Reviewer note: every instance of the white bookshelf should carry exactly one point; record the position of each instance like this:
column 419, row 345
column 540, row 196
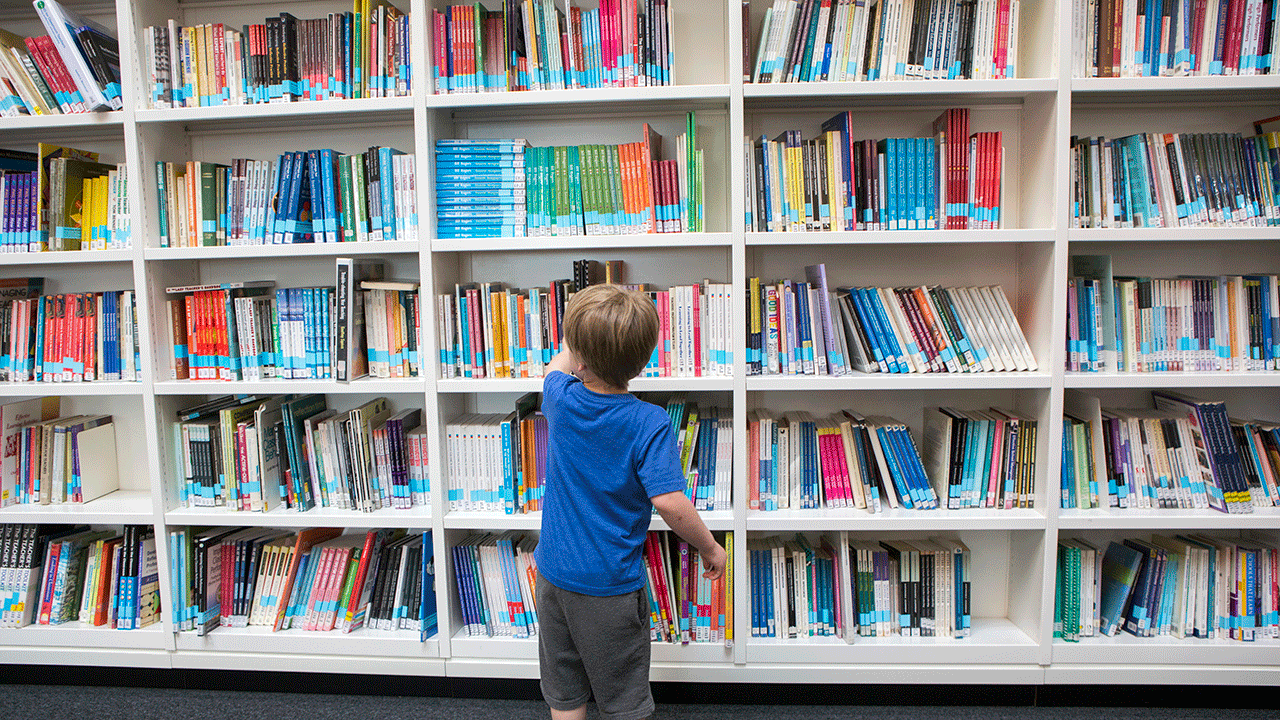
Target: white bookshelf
column 1014, row 550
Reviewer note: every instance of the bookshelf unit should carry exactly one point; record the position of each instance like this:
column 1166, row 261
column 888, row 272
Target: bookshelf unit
column 1014, row 550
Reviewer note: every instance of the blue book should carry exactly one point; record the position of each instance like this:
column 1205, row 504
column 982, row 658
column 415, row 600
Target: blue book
column 888, row 338
column 905, row 496
column 1120, row 567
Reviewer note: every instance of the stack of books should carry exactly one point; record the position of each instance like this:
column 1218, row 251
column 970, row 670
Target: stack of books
column 61, row 198
column 849, row 40
column 75, row 337
column 951, row 181
column 360, row 54
column 803, row 328
column 256, row 454
column 308, row 196
column 1183, row 454
column 1228, row 323
column 58, row 460
column 1134, row 38
column 847, row 588
column 496, row 576
column 1184, row 586
column 541, row 45
column 313, row 580
column 59, row 574
column 1176, row 180
column 685, row 607
column 481, row 188
column 74, row 69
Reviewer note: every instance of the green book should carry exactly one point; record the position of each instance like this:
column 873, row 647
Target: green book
column 208, row 211
column 66, row 199
column 348, row 583
column 359, row 192
column 482, row 77
column 560, row 175
column 613, row 174
column 575, row 189
column 347, row 198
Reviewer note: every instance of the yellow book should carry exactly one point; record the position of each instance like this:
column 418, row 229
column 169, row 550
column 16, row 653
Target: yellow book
column 86, row 212
column 727, row 623
column 100, row 209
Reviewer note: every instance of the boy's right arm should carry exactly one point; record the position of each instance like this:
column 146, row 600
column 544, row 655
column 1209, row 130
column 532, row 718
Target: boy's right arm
column 680, row 515
column 563, row 361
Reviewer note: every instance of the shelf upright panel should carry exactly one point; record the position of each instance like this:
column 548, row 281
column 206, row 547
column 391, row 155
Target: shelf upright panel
column 737, row 283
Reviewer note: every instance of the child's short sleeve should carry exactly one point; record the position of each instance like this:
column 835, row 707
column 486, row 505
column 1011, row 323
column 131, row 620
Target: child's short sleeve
column 659, row 470
column 553, row 389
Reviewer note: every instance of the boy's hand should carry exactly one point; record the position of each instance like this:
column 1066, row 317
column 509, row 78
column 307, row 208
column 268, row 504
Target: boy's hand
column 715, row 563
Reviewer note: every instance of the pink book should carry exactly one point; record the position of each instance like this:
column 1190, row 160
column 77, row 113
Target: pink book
column 997, row 464
column 697, row 331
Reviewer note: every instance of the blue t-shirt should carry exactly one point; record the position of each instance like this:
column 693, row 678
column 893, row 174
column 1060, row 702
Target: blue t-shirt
column 606, row 456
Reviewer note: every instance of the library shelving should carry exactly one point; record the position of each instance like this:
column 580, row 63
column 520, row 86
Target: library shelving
column 1037, row 112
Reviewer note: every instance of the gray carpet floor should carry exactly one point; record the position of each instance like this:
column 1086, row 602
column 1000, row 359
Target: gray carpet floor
column 110, row 703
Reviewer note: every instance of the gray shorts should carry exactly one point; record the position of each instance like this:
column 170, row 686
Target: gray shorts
column 599, row 646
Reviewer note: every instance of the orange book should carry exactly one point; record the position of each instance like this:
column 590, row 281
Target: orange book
column 101, row 611
column 650, row 142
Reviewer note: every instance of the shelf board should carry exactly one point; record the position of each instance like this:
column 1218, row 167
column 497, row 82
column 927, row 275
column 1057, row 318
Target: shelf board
column 1127, row 90
column 282, row 251
column 1180, row 234
column 275, row 387
column 77, row 122
column 1123, row 648
column 716, row 520
column 993, row 641
column 259, row 639
column 521, row 385
column 325, row 112
column 558, row 99
column 122, row 507
column 894, row 519
column 78, row 635
column 71, row 389
column 1142, row 381
column 1155, row 519
column 898, row 381
column 69, row 257
column 918, row 91
column 901, row 237
column 462, row 645
column 416, row 517
column 585, row 242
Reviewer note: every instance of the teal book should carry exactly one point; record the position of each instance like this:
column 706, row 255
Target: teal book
column 1120, row 566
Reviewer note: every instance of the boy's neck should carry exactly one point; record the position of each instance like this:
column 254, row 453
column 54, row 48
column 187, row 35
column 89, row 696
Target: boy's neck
column 596, row 385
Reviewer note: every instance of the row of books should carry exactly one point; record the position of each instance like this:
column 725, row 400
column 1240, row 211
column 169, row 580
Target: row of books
column 503, row 188
column 983, row 458
column 1184, row 453
column 257, row 454
column 802, row 328
column 312, row 196
column 254, row 334
column 360, row 54
column 61, row 198
column 497, row 462
column 1229, row 323
column 58, row 574
column 1176, row 180
column 496, row 577
column 543, row 45
column 1184, row 586
column 684, row 606
column 951, row 181
column 1140, row 38
column 491, row 330
column 850, row 40
column 81, row 337
column 56, row 459
column 310, row 580
column 73, row 69
column 87, row 209
column 1151, row 463
column 704, row 442
column 848, row 588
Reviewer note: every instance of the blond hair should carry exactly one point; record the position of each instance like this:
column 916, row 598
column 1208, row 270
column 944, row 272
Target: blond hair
column 612, row 330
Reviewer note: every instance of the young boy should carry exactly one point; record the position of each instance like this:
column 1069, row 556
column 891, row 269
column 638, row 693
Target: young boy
column 610, row 458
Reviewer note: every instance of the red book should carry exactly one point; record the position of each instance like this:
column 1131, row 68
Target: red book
column 478, row 349
column 1001, row 54
column 50, row 579
column 1235, row 34
column 371, row 544
column 579, row 58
